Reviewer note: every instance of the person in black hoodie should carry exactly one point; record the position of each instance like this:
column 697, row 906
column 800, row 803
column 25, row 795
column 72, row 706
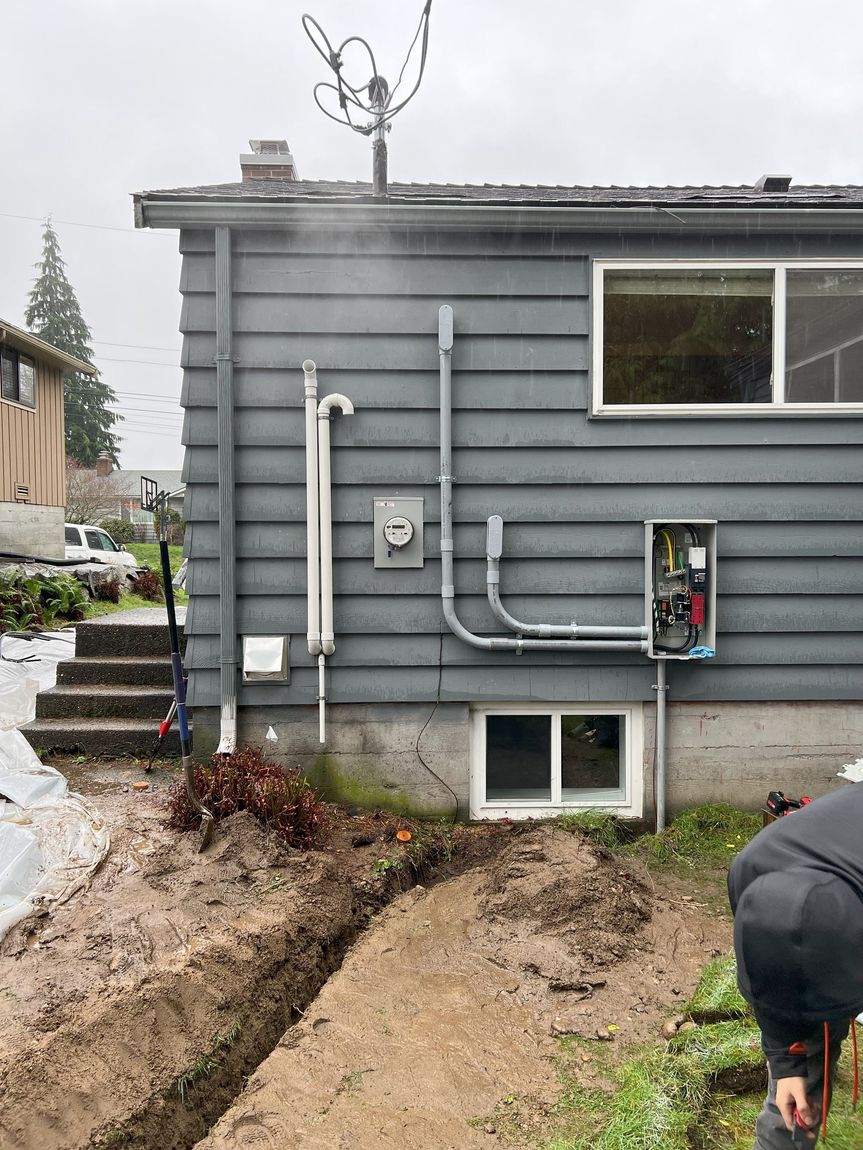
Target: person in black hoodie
column 797, row 895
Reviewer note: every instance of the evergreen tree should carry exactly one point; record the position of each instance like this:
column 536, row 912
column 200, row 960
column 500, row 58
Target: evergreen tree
column 54, row 315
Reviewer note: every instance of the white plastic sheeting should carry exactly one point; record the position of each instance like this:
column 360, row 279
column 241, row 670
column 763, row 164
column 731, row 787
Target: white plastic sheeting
column 51, row 842
column 28, row 666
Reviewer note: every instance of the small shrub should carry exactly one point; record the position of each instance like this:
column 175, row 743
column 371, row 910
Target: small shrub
column 279, row 798
column 119, row 529
column 148, row 585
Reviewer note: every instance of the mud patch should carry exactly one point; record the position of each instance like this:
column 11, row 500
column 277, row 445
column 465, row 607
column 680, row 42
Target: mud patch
column 445, row 1013
column 130, row 1015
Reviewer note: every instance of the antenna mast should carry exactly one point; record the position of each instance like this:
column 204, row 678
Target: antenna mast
column 374, row 97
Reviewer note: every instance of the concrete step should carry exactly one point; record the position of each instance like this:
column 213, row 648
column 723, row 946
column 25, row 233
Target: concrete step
column 110, row 738
column 143, row 631
column 148, row 704
column 141, row 671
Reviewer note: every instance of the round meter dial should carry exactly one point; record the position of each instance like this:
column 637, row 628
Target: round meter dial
column 398, row 531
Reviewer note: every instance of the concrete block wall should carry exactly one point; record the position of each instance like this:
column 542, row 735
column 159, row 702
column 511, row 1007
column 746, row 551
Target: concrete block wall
column 29, row 529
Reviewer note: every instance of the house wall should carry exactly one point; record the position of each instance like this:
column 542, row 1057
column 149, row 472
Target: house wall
column 573, row 491
column 32, row 454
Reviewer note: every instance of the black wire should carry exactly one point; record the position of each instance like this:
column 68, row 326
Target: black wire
column 333, row 59
column 426, row 723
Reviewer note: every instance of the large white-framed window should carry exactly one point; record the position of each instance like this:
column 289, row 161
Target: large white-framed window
column 532, row 760
column 727, row 337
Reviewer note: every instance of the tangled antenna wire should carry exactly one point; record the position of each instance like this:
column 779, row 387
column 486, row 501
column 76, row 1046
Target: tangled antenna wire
column 374, row 97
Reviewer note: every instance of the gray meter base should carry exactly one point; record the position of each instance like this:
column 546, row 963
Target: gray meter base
column 387, row 507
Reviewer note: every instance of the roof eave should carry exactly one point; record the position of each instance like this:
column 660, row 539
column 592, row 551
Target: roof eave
column 158, row 211
column 42, row 350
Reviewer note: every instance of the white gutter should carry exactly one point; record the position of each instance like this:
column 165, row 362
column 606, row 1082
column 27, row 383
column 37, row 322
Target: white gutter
column 313, row 635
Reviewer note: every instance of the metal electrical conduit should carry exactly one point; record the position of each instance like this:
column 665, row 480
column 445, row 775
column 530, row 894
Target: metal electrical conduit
column 494, row 550
column 445, row 344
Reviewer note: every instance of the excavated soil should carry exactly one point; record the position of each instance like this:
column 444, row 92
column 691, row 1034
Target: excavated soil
column 134, row 1015
column 109, row 1004
column 445, row 1011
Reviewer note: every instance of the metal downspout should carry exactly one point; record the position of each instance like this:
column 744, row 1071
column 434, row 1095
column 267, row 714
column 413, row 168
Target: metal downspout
column 661, row 690
column 227, row 566
column 445, row 345
column 494, row 550
column 313, row 567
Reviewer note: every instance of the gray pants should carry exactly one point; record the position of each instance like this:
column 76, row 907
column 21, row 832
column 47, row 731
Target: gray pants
column 771, row 1132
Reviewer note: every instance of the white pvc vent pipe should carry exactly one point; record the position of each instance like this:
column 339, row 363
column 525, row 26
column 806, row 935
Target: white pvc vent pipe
column 319, row 529
column 313, row 635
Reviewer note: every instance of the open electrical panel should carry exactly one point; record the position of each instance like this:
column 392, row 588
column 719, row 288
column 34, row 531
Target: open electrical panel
column 680, row 586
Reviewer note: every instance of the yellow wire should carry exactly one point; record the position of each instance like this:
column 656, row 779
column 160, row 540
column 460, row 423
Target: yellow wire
column 668, row 544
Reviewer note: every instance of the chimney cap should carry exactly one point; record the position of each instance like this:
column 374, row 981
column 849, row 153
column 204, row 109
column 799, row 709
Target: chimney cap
column 270, row 147
column 773, row 184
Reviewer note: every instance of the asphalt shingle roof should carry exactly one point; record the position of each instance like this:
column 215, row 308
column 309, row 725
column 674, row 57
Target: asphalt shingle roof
column 330, row 191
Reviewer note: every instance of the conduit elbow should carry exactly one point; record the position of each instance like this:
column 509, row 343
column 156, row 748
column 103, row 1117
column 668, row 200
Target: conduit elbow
column 325, row 407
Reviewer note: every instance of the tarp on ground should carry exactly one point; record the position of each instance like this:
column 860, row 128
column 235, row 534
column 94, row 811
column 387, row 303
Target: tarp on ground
column 51, row 840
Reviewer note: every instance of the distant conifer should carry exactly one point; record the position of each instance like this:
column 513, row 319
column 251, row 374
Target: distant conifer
column 54, row 315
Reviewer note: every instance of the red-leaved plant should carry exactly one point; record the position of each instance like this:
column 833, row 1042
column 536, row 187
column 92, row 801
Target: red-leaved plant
column 278, row 797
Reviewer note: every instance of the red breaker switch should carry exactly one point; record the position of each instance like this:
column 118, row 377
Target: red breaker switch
column 696, row 609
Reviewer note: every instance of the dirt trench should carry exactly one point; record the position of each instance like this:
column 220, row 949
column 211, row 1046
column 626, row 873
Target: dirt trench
column 133, row 1016
column 444, row 1014
column 130, row 1016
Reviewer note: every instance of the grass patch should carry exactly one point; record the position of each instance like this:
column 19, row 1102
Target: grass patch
column 147, row 555
column 716, row 995
column 722, row 1046
column 709, row 835
column 98, row 607
column 601, row 827
column 657, row 1103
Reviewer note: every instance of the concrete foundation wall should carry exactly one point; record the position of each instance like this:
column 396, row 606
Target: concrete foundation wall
column 32, row 530
column 375, row 755
column 722, row 752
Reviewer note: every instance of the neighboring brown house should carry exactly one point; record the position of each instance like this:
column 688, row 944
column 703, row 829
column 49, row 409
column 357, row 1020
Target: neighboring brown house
column 32, row 454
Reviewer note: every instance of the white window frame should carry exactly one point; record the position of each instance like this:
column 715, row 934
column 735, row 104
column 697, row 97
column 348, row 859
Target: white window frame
column 778, row 406
column 630, row 806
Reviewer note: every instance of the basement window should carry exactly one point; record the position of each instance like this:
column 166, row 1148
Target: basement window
column 760, row 337
column 532, row 762
column 17, row 377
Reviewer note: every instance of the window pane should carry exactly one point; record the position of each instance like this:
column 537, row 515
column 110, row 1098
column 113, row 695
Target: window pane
column 94, row 541
column 107, row 542
column 26, row 381
column 9, row 374
column 824, row 337
column 592, row 754
column 72, row 537
column 688, row 336
column 518, row 757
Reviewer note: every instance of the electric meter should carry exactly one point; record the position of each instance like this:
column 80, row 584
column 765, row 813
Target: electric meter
column 398, row 531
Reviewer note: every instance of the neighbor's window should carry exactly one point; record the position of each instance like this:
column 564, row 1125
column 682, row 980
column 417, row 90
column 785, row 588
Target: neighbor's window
column 529, row 762
column 17, row 376
column 758, row 336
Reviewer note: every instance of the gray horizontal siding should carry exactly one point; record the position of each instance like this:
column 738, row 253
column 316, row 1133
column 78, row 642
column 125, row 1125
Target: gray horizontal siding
column 530, row 503
column 797, row 540
column 573, row 491
column 417, row 427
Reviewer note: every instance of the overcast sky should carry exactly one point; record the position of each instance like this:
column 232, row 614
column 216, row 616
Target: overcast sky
column 102, row 98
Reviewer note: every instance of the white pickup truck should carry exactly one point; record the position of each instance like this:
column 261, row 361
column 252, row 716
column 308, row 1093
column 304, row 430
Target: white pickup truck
column 83, row 541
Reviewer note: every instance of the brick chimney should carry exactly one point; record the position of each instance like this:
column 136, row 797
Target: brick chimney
column 104, row 466
column 269, row 160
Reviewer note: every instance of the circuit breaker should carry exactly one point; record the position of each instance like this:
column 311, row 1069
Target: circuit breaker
column 680, row 586
column 398, row 528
